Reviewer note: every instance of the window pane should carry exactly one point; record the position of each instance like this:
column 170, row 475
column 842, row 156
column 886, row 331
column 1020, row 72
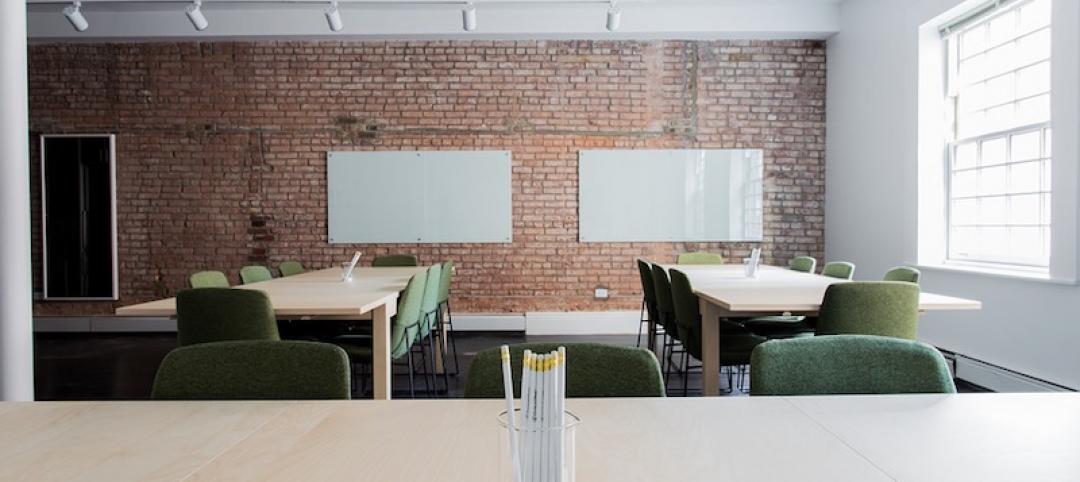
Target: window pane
column 973, row 41
column 1026, row 242
column 993, row 210
column 1025, row 146
column 966, row 211
column 1025, row 177
column 993, row 180
column 1034, row 15
column 1003, row 28
column 965, row 156
column 993, row 152
column 963, row 241
column 1047, row 144
column 994, row 241
column 963, row 183
column 1033, row 80
column 1033, row 110
column 1032, row 48
column 1025, row 209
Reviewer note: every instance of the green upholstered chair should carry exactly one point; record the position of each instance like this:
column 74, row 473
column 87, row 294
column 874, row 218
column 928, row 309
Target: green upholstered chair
column 290, row 268
column 209, row 279
column 882, row 308
column 838, row 269
column 903, row 273
column 592, row 370
column 665, row 317
column 429, row 319
column 736, row 342
column 804, row 264
column 404, row 331
column 649, row 314
column 220, row 314
column 446, row 319
column 699, row 258
column 254, row 370
column 391, row 260
column 848, row 364
column 255, row 274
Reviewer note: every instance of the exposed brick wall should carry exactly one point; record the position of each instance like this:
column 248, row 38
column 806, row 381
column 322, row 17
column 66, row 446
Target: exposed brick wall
column 221, row 147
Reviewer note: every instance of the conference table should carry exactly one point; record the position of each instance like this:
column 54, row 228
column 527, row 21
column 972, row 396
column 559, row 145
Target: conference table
column 724, row 291
column 372, row 293
column 983, row 437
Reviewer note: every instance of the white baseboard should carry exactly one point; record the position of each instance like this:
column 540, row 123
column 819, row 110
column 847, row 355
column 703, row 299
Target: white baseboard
column 999, row 379
column 494, row 322
column 582, row 323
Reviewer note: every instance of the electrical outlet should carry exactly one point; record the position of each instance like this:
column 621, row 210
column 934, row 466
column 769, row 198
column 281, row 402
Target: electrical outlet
column 601, row 293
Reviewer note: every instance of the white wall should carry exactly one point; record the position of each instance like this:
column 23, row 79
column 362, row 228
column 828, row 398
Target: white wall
column 872, row 192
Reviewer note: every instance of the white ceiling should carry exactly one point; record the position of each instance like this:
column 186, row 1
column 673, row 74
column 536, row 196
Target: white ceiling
column 439, row 19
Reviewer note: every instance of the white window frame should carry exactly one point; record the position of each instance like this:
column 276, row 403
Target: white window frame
column 951, row 55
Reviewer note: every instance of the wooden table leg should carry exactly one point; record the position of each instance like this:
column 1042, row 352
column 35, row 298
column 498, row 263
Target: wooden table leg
column 380, row 343
column 710, row 349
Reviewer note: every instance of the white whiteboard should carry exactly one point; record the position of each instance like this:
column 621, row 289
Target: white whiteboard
column 670, row 195
column 419, row 197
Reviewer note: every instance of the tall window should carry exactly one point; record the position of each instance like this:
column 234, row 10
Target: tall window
column 999, row 149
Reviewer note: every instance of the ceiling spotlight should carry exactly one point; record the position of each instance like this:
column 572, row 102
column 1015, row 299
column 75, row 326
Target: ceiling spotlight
column 76, row 17
column 468, row 17
column 194, row 13
column 333, row 17
column 614, row 16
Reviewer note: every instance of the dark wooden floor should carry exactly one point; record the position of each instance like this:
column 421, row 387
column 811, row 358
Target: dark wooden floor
column 121, row 366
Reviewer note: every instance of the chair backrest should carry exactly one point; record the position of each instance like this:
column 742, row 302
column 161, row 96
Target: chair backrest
column 444, row 281
column 687, row 312
column 406, row 323
column 838, row 269
column 254, row 370
column 290, row 268
column 220, row 314
column 648, row 289
column 883, row 308
column 592, row 370
column 389, row 260
column 209, row 279
column 429, row 303
column 847, row 364
column 255, row 274
column 902, row 273
column 665, row 308
column 804, row 264
column 699, row 258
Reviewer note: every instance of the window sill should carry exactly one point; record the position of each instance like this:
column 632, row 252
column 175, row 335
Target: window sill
column 1038, row 277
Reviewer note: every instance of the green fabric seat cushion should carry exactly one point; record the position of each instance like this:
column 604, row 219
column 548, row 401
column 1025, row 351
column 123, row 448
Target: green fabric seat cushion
column 254, row 370
column 255, row 274
column 291, row 268
column 699, row 258
column 804, row 264
column 592, row 370
column 429, row 303
column 883, row 308
column 220, row 314
column 902, row 273
column 208, row 279
column 838, row 269
column 848, row 364
column 445, row 278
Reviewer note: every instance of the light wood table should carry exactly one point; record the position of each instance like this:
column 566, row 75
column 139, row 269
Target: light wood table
column 724, row 291
column 984, row 437
column 372, row 292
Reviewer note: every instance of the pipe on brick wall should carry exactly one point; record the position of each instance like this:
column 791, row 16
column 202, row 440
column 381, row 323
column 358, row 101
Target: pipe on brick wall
column 16, row 313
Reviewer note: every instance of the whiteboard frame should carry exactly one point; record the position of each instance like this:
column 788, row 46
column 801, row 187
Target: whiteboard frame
column 494, row 222
column 587, row 235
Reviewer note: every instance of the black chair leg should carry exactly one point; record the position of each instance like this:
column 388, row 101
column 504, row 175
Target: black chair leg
column 640, row 322
column 686, row 377
column 412, row 383
column 450, row 335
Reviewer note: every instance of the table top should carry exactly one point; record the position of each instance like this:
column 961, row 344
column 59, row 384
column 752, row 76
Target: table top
column 778, row 290
column 314, row 293
column 834, row 438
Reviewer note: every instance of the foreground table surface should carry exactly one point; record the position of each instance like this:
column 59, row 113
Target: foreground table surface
column 865, row 438
column 371, row 293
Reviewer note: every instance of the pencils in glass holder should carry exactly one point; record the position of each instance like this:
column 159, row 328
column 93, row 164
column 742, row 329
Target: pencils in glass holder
column 508, row 389
column 539, row 453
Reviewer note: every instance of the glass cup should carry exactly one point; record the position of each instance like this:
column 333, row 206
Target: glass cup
column 567, row 432
column 345, row 269
column 751, row 271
